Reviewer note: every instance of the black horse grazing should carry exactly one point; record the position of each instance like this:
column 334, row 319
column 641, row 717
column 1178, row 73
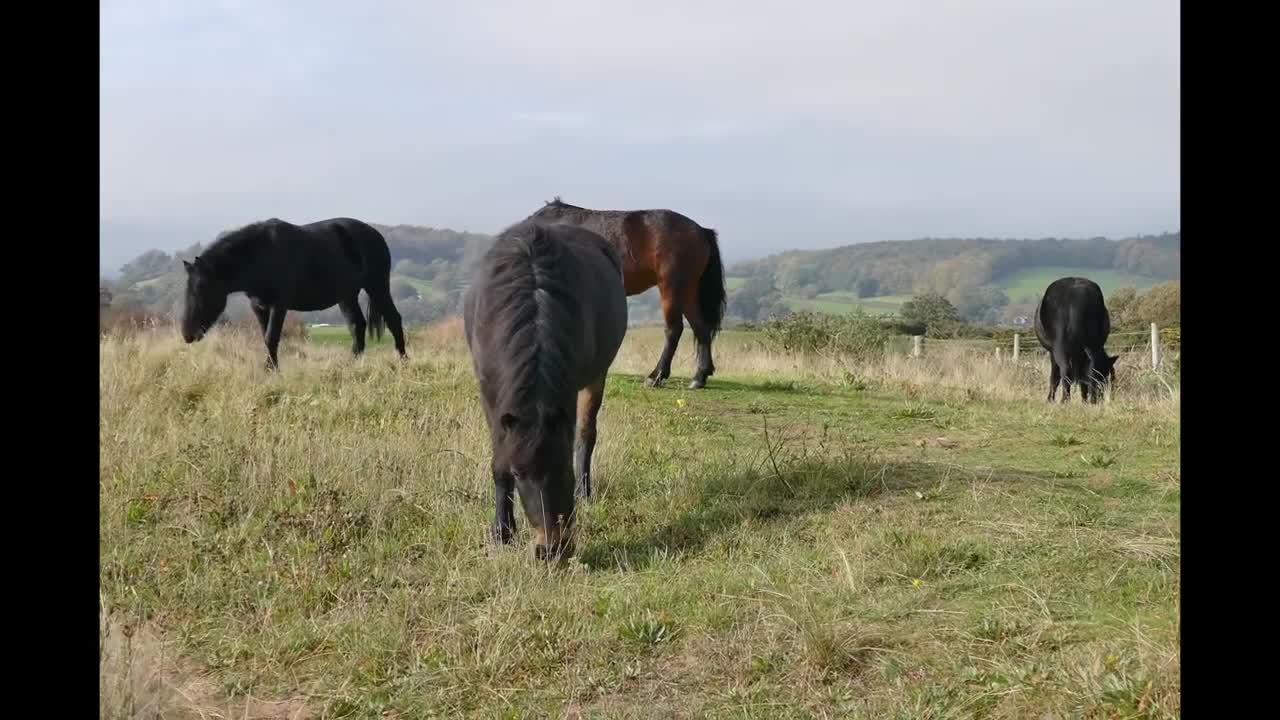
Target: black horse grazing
column 667, row 249
column 1072, row 323
column 281, row 267
column 544, row 317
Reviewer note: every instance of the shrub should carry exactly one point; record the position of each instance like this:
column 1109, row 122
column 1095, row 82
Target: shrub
column 855, row 334
column 956, row 330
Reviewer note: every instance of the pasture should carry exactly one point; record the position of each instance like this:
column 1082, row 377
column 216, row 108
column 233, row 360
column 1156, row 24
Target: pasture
column 802, row 538
column 1027, row 283
column 1020, row 286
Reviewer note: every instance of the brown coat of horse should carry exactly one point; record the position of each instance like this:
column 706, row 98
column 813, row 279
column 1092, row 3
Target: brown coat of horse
column 671, row 251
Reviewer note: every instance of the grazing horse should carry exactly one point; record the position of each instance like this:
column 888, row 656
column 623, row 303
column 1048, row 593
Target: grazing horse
column 281, row 267
column 1072, row 323
column 544, row 318
column 667, row 249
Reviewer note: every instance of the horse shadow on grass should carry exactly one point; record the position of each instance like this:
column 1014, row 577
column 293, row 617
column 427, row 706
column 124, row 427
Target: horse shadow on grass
column 787, row 387
column 770, row 493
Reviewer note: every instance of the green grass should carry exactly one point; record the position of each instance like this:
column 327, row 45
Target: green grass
column 1020, row 285
column 331, row 335
column 804, row 538
column 1028, row 282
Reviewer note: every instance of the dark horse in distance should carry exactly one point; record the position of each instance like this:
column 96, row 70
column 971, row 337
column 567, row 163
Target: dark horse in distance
column 667, row 249
column 544, row 318
column 281, row 267
column 1072, row 323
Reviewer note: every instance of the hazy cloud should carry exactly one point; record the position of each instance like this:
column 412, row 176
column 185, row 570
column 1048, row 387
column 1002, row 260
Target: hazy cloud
column 783, row 124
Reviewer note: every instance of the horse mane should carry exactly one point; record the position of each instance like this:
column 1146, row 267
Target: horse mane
column 557, row 202
column 234, row 247
column 528, row 288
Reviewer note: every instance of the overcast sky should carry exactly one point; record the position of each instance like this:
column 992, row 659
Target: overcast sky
column 782, row 124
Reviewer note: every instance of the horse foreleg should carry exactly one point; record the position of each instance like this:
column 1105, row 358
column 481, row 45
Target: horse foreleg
column 1055, row 376
column 706, row 368
column 675, row 327
column 504, row 516
column 275, row 325
column 263, row 313
column 589, row 400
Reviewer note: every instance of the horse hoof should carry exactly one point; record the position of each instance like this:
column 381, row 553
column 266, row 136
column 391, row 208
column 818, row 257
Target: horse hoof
column 653, row 383
column 697, row 384
column 501, row 535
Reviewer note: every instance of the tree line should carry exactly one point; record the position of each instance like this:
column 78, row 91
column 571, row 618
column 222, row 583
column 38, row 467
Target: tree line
column 961, row 270
column 432, row 267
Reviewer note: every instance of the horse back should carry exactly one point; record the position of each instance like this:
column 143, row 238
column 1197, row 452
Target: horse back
column 357, row 241
column 601, row 299
column 1072, row 316
column 581, row 278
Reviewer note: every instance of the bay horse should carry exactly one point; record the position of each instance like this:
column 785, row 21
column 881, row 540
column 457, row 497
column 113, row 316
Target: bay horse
column 544, row 318
column 667, row 249
column 280, row 267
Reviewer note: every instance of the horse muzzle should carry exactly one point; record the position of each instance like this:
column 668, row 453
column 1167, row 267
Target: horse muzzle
column 553, row 543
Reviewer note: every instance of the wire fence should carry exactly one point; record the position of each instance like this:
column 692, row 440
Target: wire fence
column 1157, row 345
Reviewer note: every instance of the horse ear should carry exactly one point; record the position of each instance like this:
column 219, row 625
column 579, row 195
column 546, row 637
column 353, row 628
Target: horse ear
column 189, row 267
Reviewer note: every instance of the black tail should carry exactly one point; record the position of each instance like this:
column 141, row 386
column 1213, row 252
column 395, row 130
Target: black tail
column 376, row 322
column 711, row 294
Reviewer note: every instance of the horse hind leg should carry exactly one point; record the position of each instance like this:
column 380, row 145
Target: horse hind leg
column 381, row 297
column 355, row 323
column 675, row 328
column 1055, row 376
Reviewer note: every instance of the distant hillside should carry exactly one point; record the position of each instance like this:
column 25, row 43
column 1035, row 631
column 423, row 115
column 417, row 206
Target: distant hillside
column 988, row 280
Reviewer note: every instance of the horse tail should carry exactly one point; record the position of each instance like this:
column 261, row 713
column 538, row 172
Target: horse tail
column 711, row 294
column 376, row 321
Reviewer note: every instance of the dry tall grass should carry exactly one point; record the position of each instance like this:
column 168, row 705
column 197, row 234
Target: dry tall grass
column 306, row 542
column 969, row 369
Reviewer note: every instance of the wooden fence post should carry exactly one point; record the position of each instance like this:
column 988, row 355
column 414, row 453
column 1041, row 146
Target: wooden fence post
column 1016, row 346
column 998, row 353
column 1155, row 347
column 916, row 341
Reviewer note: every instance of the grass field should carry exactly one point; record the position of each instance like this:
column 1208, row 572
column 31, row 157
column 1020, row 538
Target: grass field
column 804, row 538
column 1020, row 285
column 1029, row 282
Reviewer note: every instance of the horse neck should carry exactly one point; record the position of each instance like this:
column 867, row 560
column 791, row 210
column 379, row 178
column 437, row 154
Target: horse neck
column 233, row 273
column 580, row 216
column 236, row 269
